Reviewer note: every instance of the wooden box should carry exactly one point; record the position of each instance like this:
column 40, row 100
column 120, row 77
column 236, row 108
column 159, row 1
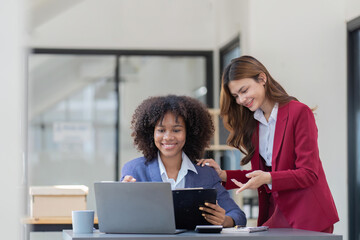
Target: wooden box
column 57, row 201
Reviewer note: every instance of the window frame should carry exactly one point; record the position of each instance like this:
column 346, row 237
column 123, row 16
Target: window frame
column 353, row 105
column 208, row 55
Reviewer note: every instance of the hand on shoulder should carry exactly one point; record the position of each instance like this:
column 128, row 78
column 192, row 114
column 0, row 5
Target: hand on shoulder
column 211, row 163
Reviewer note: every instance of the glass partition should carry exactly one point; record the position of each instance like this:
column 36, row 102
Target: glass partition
column 72, row 114
column 144, row 76
column 80, row 104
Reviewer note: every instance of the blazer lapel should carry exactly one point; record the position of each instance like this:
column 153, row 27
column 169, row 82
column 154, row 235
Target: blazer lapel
column 189, row 179
column 280, row 127
column 154, row 171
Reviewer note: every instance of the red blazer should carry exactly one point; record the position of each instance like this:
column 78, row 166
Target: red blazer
column 299, row 185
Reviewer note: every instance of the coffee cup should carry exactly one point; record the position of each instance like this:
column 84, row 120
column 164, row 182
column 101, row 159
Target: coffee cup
column 83, row 221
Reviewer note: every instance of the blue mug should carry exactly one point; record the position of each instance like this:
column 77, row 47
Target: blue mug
column 83, row 221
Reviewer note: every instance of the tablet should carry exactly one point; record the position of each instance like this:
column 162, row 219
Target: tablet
column 186, row 206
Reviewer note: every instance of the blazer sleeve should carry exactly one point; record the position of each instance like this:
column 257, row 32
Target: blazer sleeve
column 227, row 203
column 307, row 162
column 132, row 168
column 239, row 175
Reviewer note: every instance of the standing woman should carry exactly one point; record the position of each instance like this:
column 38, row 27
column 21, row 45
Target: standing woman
column 278, row 135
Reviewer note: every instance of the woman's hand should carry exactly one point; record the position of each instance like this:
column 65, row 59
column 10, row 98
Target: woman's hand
column 129, row 178
column 215, row 215
column 257, row 178
column 211, row 163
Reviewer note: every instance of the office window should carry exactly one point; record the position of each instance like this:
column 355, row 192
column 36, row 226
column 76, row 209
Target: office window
column 72, row 112
column 230, row 158
column 144, row 76
column 80, row 104
column 228, row 52
column 354, row 127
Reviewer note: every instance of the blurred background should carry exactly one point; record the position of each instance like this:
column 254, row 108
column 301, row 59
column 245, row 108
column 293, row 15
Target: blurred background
column 74, row 71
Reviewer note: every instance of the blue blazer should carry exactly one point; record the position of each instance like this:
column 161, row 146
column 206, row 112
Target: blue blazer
column 206, row 178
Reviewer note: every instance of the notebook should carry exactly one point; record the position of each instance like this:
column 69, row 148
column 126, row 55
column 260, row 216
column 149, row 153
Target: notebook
column 139, row 207
column 187, row 203
column 245, row 229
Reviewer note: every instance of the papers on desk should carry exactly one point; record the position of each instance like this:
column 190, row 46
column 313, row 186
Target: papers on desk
column 245, row 229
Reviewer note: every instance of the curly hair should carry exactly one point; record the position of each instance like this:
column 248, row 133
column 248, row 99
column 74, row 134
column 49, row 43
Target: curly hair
column 198, row 123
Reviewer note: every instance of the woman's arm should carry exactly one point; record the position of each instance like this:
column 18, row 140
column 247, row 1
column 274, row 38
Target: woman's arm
column 238, row 175
column 128, row 178
column 225, row 175
column 232, row 210
column 211, row 163
column 217, row 215
column 132, row 171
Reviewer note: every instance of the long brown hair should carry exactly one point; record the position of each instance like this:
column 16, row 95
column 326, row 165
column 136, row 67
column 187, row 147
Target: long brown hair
column 238, row 119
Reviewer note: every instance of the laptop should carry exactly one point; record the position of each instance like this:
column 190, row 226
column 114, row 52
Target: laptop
column 138, row 207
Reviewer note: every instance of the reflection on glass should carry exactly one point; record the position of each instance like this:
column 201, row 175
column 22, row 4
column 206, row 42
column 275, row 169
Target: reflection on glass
column 233, row 53
column 72, row 115
column 73, row 111
column 230, row 158
column 144, row 76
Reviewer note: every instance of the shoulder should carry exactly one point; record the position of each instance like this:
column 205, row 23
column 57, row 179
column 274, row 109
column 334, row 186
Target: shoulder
column 137, row 162
column 137, row 168
column 300, row 114
column 297, row 106
column 206, row 172
column 298, row 109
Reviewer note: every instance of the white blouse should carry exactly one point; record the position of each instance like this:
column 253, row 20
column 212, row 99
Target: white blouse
column 266, row 134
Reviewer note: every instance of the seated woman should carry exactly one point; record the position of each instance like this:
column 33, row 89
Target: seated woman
column 172, row 132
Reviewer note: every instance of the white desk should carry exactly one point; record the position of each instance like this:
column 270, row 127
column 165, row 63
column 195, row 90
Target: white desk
column 272, row 234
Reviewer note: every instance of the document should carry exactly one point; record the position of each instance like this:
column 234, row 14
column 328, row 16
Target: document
column 245, row 229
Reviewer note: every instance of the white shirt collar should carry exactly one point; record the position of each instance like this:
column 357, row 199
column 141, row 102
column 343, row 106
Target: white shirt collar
column 186, row 165
column 259, row 115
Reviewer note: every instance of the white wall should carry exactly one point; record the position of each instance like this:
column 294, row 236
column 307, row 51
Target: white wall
column 135, row 24
column 229, row 19
column 352, row 9
column 303, row 45
column 11, row 138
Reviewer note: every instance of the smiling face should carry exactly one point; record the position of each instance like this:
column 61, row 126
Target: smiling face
column 170, row 136
column 249, row 93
